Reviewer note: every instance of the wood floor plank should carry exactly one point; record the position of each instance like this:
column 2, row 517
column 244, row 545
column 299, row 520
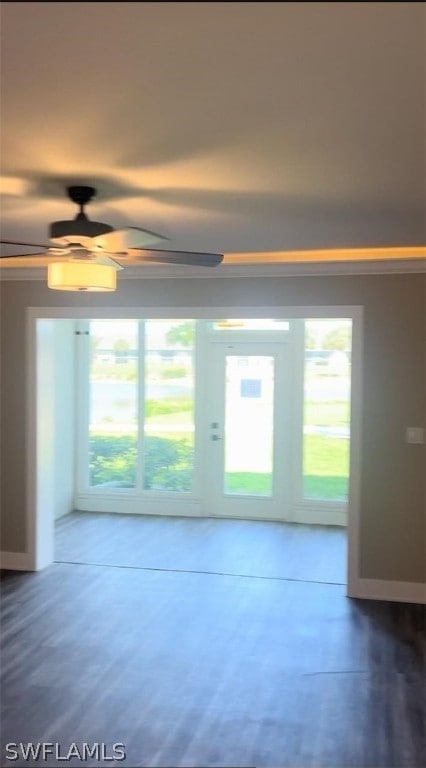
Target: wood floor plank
column 269, row 549
column 197, row 669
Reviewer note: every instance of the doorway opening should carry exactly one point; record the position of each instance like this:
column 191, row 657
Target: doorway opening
column 249, row 420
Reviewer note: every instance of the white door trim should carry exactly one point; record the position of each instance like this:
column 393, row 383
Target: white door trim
column 354, row 495
column 40, row 527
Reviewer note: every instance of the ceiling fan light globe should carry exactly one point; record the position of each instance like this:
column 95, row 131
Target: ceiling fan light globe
column 81, row 276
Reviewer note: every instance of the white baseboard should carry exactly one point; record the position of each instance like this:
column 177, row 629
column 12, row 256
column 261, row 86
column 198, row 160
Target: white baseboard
column 119, row 503
column 16, row 561
column 397, row 591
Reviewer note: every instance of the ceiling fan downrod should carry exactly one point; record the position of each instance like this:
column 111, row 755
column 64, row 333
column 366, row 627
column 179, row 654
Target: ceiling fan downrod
column 75, row 230
column 81, row 196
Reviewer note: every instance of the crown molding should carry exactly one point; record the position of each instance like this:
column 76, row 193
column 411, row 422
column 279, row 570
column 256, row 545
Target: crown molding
column 144, row 271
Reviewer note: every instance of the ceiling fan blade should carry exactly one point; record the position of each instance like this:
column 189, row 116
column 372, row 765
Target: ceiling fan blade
column 23, row 255
column 106, row 261
column 122, row 239
column 46, row 252
column 187, row 258
column 27, row 245
column 31, row 260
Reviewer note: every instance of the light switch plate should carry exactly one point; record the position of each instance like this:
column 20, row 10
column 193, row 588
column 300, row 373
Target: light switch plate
column 415, row 435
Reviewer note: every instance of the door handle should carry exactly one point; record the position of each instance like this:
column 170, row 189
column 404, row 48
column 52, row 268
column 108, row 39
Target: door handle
column 215, row 437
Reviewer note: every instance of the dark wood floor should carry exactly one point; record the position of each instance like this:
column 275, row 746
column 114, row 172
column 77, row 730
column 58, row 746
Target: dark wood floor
column 200, row 669
column 238, row 547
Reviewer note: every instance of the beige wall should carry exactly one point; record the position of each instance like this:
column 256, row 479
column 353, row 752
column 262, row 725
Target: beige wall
column 392, row 544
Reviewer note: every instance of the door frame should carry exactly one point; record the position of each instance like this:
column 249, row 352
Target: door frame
column 39, row 514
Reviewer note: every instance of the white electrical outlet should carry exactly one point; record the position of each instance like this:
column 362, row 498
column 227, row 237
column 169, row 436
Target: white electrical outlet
column 415, row 435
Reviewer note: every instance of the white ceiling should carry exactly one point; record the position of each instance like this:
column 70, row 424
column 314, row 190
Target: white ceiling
column 225, row 126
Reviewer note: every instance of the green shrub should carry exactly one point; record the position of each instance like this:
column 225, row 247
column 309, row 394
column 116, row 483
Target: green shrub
column 167, row 462
column 112, row 460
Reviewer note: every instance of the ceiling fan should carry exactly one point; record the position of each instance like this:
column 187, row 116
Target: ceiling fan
column 95, row 250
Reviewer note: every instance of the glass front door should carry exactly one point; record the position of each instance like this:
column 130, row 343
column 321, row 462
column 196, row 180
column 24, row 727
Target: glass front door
column 246, row 429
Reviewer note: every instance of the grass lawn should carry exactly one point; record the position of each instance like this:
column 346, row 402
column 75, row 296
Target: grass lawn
column 314, row 487
column 325, row 456
column 257, row 483
column 326, row 470
column 325, row 459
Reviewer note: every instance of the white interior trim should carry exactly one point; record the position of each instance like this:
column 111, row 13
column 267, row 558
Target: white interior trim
column 129, row 505
column 354, row 494
column 31, row 438
column 305, row 269
column 197, row 313
column 379, row 589
column 331, row 514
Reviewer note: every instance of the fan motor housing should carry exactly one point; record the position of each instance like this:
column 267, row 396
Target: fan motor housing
column 76, row 230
